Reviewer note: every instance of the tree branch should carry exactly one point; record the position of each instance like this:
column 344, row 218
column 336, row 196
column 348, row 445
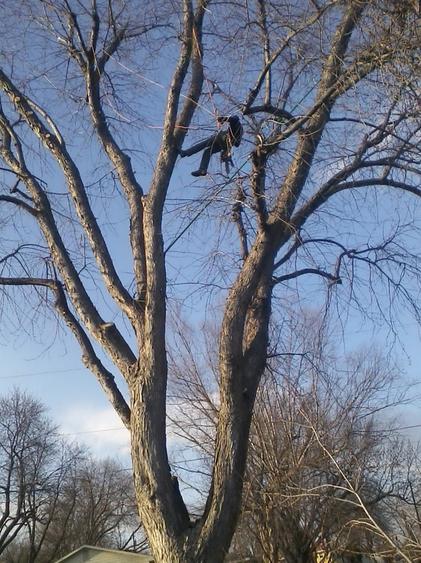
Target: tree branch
column 269, row 62
column 298, row 220
column 266, row 50
column 78, row 192
column 304, row 271
column 112, row 340
column 89, row 358
column 19, row 203
column 92, row 73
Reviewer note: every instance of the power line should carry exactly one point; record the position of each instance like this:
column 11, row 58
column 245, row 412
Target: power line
column 115, row 428
column 34, row 374
column 99, row 430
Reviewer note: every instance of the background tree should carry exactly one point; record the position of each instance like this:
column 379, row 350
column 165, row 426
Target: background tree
column 55, row 496
column 30, row 463
column 403, row 508
column 96, row 507
column 323, row 464
column 333, row 118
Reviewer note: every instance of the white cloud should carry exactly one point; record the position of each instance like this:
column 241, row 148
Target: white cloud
column 99, row 428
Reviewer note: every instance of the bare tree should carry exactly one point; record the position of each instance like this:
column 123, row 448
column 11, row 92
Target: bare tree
column 54, row 496
column 96, row 506
column 28, row 463
column 403, row 508
column 323, row 461
column 333, row 116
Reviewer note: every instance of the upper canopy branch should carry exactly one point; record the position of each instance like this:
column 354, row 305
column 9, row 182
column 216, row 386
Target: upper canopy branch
column 272, row 110
column 333, row 278
column 19, row 203
column 92, row 65
column 318, row 117
column 271, row 58
column 261, row 4
column 77, row 190
column 176, row 121
column 191, row 100
column 370, row 155
column 112, row 340
column 301, row 216
column 123, row 167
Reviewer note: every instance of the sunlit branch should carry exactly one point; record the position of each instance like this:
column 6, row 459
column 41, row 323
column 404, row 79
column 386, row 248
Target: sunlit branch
column 89, row 358
column 321, row 197
column 275, row 56
column 77, row 190
column 112, row 340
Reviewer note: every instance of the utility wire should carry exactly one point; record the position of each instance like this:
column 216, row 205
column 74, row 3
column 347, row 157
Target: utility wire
column 34, row 374
column 91, row 431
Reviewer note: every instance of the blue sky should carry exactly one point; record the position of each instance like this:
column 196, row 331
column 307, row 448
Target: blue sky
column 49, row 365
column 52, row 372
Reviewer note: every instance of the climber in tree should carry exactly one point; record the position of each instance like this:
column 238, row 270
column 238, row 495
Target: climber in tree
column 222, row 142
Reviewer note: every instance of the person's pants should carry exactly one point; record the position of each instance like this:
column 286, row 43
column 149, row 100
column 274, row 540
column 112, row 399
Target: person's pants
column 212, row 145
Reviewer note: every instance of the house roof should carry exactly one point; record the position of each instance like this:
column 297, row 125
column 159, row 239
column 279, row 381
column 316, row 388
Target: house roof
column 91, row 554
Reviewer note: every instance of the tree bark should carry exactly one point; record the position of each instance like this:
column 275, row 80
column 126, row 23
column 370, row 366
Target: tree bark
column 278, row 217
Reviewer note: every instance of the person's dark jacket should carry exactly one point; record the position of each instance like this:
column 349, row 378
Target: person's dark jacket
column 235, row 129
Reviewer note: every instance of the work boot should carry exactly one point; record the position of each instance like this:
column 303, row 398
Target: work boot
column 198, row 173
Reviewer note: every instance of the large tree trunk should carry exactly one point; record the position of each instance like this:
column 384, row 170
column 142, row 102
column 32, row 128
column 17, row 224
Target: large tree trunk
column 242, row 359
column 280, row 217
column 172, row 537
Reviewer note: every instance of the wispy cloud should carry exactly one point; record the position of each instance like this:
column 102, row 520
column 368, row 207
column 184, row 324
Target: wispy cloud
column 99, row 428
